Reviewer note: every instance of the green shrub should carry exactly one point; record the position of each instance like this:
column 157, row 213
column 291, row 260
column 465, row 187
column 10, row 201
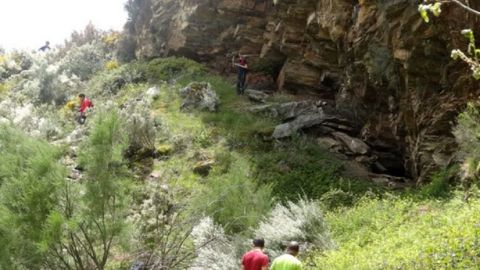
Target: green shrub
column 30, row 185
column 108, row 82
column 401, row 233
column 166, row 69
column 441, row 184
column 84, row 61
column 7, row 235
column 90, row 221
column 233, row 199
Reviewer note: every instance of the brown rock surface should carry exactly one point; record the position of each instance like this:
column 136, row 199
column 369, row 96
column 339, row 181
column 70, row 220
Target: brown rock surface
column 380, row 64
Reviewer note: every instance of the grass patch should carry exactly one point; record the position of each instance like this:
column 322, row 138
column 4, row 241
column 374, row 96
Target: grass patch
column 302, row 168
column 403, row 233
column 294, row 168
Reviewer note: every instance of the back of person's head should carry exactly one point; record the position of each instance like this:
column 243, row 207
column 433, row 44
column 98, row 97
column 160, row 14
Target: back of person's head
column 259, row 242
column 293, row 248
column 81, row 96
column 47, row 42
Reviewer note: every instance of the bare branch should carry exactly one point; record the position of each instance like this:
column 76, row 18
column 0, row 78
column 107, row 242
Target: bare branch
column 464, row 6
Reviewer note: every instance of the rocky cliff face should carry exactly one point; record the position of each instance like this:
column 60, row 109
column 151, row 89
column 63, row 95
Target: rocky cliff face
column 377, row 62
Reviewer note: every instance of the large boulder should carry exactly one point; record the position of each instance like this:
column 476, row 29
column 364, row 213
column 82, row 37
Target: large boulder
column 293, row 109
column 203, row 167
column 199, row 95
column 356, row 146
column 301, row 122
column 289, row 110
column 256, row 96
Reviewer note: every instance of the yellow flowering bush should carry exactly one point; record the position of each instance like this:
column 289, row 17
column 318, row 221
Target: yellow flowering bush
column 112, row 38
column 111, row 65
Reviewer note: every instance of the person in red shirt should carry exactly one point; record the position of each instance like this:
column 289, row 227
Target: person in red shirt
column 242, row 70
column 85, row 104
column 255, row 259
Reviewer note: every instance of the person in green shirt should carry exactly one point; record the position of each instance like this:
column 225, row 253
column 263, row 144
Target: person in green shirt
column 288, row 261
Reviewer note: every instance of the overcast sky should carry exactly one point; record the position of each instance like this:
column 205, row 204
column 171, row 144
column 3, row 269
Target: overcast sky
column 27, row 24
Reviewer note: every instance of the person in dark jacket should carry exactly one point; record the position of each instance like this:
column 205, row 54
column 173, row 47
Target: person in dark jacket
column 45, row 47
column 242, row 70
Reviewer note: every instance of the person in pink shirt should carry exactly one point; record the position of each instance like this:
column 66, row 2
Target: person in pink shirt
column 255, row 259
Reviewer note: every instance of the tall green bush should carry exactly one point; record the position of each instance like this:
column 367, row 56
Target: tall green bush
column 233, row 199
column 90, row 220
column 31, row 177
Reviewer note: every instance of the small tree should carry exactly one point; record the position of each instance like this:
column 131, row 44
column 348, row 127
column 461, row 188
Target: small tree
column 30, row 180
column 90, row 221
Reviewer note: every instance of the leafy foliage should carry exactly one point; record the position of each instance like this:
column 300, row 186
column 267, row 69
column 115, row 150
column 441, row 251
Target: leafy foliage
column 472, row 57
column 424, row 9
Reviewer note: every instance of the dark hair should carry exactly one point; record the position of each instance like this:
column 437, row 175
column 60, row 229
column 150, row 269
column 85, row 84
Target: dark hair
column 258, row 243
column 81, row 95
column 293, row 247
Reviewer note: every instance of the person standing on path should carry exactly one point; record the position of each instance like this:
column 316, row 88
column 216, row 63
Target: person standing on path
column 255, row 259
column 288, row 261
column 242, row 70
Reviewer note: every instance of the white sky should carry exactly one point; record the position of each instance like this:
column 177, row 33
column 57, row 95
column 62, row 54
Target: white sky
column 27, row 24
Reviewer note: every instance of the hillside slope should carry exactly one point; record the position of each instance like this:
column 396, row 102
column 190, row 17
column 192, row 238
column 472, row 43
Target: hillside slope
column 381, row 66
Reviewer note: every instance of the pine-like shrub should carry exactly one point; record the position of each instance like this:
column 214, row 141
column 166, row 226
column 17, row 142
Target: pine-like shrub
column 90, row 220
column 233, row 199
column 30, row 185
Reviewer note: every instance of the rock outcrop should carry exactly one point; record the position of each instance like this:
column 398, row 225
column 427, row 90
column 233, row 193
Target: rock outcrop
column 381, row 66
column 199, row 95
